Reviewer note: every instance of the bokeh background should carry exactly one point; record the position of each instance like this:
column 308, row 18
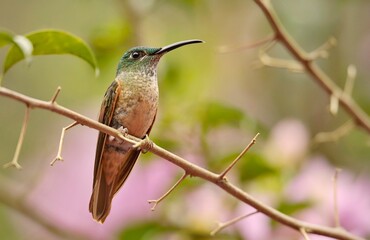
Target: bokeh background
column 211, row 105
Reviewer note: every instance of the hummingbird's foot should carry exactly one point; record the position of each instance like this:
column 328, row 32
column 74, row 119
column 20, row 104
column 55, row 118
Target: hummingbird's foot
column 123, row 131
column 144, row 145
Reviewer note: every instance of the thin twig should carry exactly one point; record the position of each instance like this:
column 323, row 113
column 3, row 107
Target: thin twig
column 348, row 87
column 156, row 202
column 14, row 162
column 352, row 108
column 252, row 142
column 350, row 81
column 304, row 233
column 54, row 98
column 266, row 60
column 81, row 119
column 221, row 226
column 188, row 167
column 290, row 65
column 334, row 104
column 334, row 135
column 59, row 154
column 335, row 197
column 322, row 51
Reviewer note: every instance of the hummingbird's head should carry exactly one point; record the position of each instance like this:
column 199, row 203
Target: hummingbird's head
column 142, row 59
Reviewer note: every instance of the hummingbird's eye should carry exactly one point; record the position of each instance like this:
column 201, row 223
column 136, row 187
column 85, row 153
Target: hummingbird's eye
column 135, row 55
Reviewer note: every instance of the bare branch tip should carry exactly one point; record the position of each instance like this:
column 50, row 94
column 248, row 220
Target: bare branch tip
column 322, row 51
column 12, row 164
column 155, row 203
column 290, row 65
column 255, row 137
column 352, row 70
column 222, row 175
column 334, row 105
column 222, row 225
column 56, row 159
column 335, row 197
column 350, row 81
column 54, row 98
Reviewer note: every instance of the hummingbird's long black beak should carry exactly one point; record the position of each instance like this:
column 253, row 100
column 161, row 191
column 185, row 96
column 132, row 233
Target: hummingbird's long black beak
column 176, row 45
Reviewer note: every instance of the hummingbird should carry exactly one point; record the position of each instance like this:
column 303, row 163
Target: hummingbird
column 130, row 104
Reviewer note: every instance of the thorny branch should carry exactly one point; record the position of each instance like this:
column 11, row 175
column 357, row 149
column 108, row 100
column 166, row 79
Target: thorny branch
column 14, row 162
column 305, row 60
column 223, row 174
column 188, row 167
column 231, row 222
column 59, row 154
column 157, row 201
column 334, row 135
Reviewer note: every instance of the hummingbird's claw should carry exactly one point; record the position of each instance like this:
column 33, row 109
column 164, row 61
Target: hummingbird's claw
column 144, row 145
column 123, row 130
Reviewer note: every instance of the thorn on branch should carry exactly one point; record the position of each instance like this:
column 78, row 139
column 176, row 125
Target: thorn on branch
column 252, row 142
column 304, row 233
column 334, row 104
column 157, row 201
column 59, row 154
column 335, row 197
column 357, row 114
column 322, row 51
column 14, row 162
column 351, row 76
column 54, row 98
column 334, row 135
column 221, row 226
column 290, row 65
column 266, row 60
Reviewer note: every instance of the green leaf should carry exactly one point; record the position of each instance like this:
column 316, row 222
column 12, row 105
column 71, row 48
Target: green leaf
column 19, row 42
column 47, row 42
column 214, row 114
column 5, row 38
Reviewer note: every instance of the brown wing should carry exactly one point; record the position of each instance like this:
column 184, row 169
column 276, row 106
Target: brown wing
column 101, row 196
column 108, row 180
column 106, row 113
